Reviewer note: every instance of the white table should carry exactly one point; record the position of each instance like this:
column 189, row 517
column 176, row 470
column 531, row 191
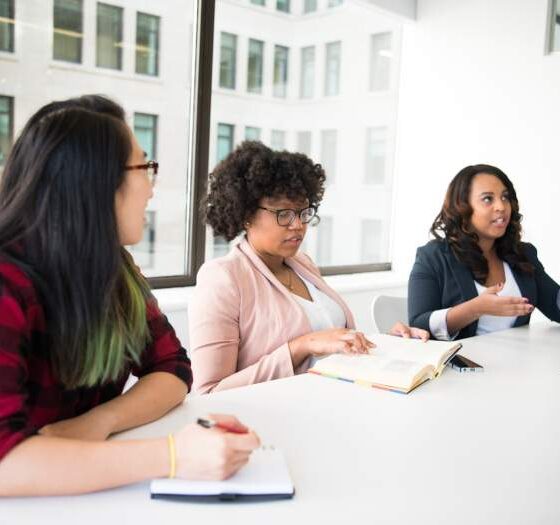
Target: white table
column 470, row 448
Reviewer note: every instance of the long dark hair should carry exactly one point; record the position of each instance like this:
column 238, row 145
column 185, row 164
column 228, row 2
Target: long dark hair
column 453, row 223
column 58, row 223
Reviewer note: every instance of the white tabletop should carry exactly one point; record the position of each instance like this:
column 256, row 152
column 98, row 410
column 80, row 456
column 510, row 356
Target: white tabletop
column 470, row 448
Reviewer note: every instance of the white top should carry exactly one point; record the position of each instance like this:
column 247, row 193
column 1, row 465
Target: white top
column 322, row 312
column 486, row 323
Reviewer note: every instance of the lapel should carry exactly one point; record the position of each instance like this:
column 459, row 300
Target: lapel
column 528, row 289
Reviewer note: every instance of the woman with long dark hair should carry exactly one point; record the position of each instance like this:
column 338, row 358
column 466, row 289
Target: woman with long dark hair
column 77, row 317
column 477, row 276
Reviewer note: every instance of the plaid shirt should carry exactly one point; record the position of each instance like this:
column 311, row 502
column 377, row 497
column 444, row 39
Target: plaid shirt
column 30, row 396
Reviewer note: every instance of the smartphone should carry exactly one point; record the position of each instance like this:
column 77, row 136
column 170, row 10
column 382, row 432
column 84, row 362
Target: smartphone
column 463, row 364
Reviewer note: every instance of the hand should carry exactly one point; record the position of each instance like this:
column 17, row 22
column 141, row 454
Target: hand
column 402, row 330
column 91, row 426
column 488, row 303
column 213, row 454
column 327, row 342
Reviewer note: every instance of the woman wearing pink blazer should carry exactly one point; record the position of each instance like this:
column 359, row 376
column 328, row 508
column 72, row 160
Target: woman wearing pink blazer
column 263, row 311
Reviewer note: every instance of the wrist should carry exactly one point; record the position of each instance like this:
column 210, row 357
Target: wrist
column 476, row 307
column 297, row 350
column 104, row 419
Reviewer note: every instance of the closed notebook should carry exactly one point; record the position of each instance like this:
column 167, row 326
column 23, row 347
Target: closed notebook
column 395, row 364
column 265, row 477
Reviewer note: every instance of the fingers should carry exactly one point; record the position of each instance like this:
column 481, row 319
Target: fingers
column 229, row 420
column 243, row 442
column 418, row 333
column 355, row 342
column 400, row 330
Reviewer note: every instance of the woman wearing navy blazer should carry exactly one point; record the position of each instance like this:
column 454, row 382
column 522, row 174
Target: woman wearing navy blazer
column 477, row 276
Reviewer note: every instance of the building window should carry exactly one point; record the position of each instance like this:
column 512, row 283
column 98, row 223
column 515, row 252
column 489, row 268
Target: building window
column 328, row 153
column 278, row 140
column 372, row 237
column 109, row 36
column 309, row 6
column 255, row 66
column 147, row 44
column 258, row 2
column 334, row 3
column 7, row 21
column 376, row 153
column 68, row 30
column 283, row 5
column 280, row 71
column 6, row 127
column 228, row 57
column 220, row 246
column 324, row 241
column 332, row 69
column 144, row 251
column 145, row 130
column 555, row 26
column 304, row 142
column 252, row 133
column 225, row 141
column 307, row 74
column 380, row 62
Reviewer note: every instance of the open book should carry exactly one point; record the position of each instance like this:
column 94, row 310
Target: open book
column 395, row 363
column 265, row 477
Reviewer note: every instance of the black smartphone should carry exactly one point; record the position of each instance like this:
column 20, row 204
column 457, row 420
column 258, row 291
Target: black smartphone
column 463, row 364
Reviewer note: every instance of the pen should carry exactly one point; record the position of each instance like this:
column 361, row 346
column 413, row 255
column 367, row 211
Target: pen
column 208, row 423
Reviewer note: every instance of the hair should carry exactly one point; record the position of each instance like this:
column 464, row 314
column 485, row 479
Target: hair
column 58, row 223
column 251, row 172
column 453, row 223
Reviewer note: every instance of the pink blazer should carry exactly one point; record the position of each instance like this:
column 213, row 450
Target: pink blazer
column 242, row 318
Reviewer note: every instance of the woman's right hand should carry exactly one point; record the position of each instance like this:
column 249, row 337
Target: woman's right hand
column 213, row 454
column 488, row 303
column 325, row 342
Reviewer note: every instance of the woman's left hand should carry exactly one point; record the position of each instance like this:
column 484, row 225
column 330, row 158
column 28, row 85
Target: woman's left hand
column 91, row 426
column 402, row 330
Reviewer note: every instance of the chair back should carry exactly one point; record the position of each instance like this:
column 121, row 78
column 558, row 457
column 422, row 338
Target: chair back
column 386, row 311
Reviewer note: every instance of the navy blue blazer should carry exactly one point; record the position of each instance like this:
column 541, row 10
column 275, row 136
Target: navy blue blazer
column 439, row 280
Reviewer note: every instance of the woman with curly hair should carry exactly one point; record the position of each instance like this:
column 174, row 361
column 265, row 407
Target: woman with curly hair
column 477, row 276
column 263, row 311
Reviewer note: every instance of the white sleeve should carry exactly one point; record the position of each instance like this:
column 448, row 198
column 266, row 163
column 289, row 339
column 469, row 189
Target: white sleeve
column 438, row 325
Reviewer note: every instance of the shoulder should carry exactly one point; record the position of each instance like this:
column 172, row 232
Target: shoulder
column 529, row 250
column 433, row 249
column 307, row 262
column 228, row 270
column 17, row 293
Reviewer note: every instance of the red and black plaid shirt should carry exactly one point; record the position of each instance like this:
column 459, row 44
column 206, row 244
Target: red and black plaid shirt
column 30, row 396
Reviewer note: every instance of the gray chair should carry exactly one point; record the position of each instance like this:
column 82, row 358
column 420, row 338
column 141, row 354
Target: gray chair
column 386, row 311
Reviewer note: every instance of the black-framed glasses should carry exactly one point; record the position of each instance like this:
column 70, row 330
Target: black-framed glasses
column 286, row 216
column 151, row 168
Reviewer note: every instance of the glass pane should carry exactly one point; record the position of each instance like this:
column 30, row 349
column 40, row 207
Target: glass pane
column 67, row 30
column 109, row 36
column 309, row 6
column 333, row 3
column 555, row 30
column 283, row 5
column 6, row 127
column 380, row 72
column 258, row 2
column 228, row 55
column 316, row 99
column 7, row 25
column 255, row 66
column 147, row 44
column 252, row 133
column 158, row 112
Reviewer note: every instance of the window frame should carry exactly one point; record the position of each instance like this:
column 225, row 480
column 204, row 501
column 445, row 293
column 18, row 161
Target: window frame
column 139, row 15
column 11, row 111
column 12, row 33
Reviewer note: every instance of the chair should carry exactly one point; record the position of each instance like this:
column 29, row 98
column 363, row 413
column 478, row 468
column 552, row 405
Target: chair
column 386, row 311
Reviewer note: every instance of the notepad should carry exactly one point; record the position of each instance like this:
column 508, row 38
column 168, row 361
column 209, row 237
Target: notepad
column 396, row 364
column 265, row 477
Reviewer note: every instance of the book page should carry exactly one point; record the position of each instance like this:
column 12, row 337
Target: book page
column 266, row 473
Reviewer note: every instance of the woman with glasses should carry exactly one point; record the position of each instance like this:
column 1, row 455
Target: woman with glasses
column 263, row 311
column 77, row 317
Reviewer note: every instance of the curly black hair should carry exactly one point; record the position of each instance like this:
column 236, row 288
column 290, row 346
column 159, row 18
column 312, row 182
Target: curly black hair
column 453, row 224
column 251, row 172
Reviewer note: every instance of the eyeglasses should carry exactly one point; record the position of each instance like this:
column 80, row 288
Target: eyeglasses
column 151, row 168
column 287, row 216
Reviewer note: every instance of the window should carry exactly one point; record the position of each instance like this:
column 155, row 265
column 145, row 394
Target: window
column 228, row 56
column 225, row 141
column 255, row 66
column 324, row 241
column 309, row 6
column 332, row 68
column 109, row 36
column 144, row 251
column 307, row 74
column 555, row 26
column 280, row 71
column 278, row 140
column 304, row 142
column 68, row 30
column 372, row 236
column 283, row 5
column 6, row 127
column 147, row 44
column 252, row 133
column 376, row 146
column 328, row 153
column 258, row 2
column 380, row 62
column 334, row 3
column 7, row 21
column 145, row 130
